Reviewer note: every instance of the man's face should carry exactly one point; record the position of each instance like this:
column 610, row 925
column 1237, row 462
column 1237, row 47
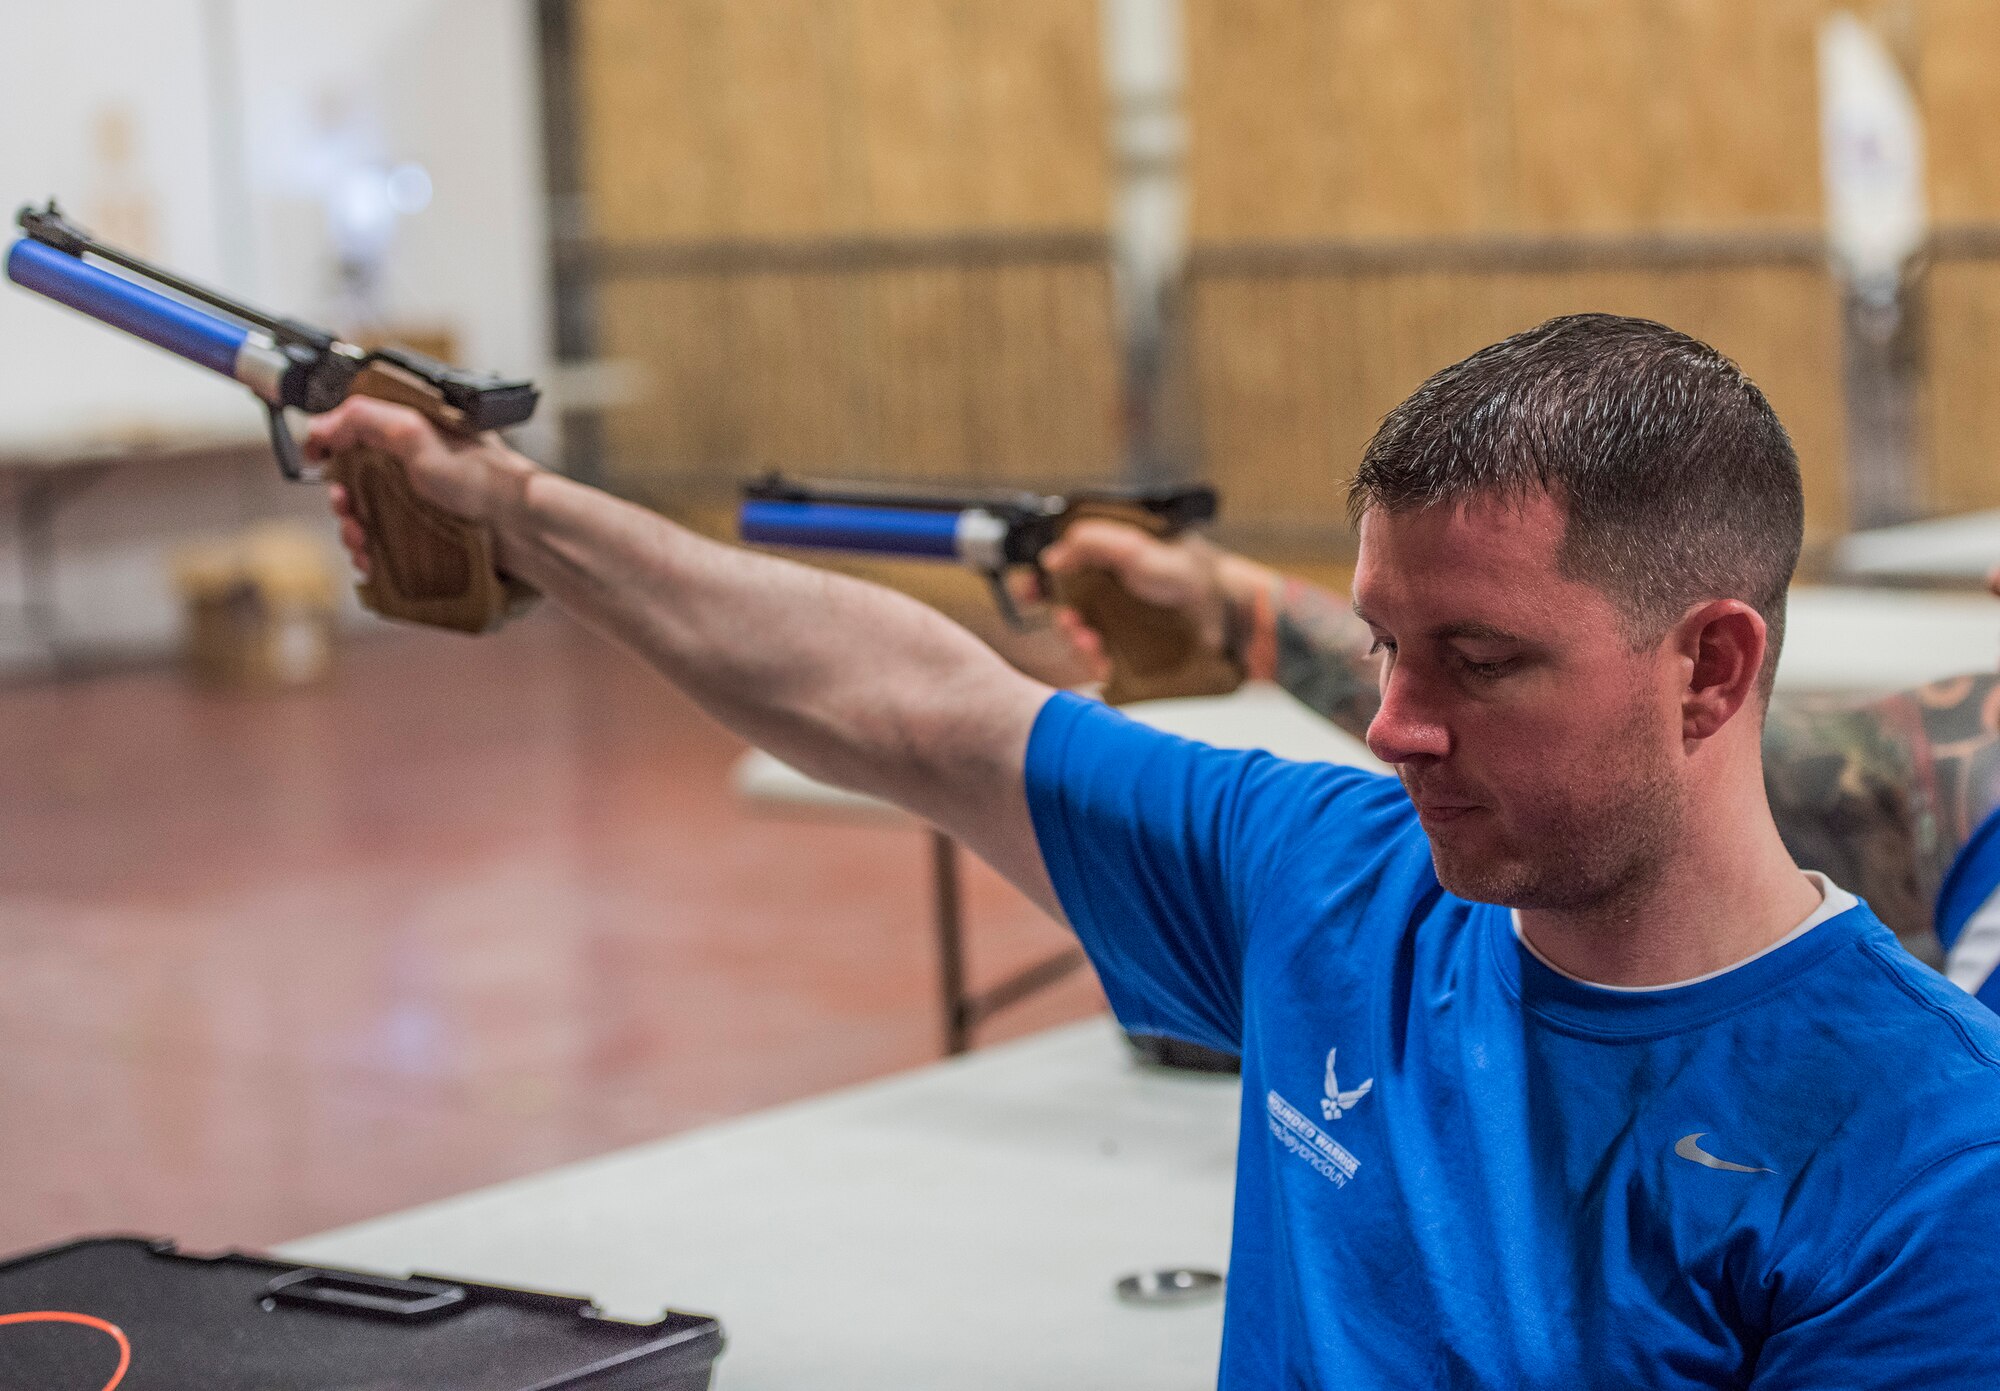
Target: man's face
column 1543, row 754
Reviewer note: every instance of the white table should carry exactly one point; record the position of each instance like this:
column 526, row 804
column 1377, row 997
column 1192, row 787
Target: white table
column 1962, row 549
column 958, row 1226
column 1256, row 716
column 1860, row 640
column 40, row 477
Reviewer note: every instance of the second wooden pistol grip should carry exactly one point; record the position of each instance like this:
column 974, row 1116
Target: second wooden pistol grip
column 1155, row 652
column 424, row 564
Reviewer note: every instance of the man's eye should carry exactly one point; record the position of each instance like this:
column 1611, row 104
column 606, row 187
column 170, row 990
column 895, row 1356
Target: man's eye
column 1486, row 671
column 1381, row 645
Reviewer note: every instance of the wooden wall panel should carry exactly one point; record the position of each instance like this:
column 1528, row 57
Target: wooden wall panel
column 1736, row 119
column 1300, row 128
column 1385, row 118
column 1959, row 68
column 1296, row 371
column 1035, row 83
column 1961, row 321
column 1448, row 127
column 980, row 374
column 839, row 150
column 1672, row 113
column 781, row 120
column 1263, row 155
column 913, row 135
column 1425, row 104
column 648, row 81
column 800, row 118
column 1583, row 109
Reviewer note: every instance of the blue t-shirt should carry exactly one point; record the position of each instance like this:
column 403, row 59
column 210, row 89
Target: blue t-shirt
column 1460, row 1168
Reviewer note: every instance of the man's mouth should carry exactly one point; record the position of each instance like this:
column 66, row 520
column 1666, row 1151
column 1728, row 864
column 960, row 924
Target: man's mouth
column 1438, row 813
column 1436, row 809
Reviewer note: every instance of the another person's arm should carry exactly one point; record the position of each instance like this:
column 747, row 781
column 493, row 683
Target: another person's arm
column 1882, row 794
column 847, row 681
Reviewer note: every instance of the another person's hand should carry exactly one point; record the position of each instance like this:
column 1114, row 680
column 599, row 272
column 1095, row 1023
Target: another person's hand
column 1213, row 588
column 478, row 478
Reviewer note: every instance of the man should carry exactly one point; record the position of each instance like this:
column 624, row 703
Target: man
column 1896, row 799
column 1558, row 1070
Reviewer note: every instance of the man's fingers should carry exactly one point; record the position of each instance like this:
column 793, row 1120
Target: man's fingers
column 361, row 420
column 1079, row 634
column 356, row 542
column 1993, row 580
column 1095, row 541
column 1084, row 641
column 1023, row 586
column 352, row 538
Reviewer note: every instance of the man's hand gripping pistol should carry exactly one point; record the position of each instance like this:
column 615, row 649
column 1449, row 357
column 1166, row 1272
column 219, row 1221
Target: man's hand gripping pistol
column 1154, row 651
column 425, row 565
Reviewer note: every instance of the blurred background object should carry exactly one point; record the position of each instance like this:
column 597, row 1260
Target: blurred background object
column 258, row 608
column 450, row 912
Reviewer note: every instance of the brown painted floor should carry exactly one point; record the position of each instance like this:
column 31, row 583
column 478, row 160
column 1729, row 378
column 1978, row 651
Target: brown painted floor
column 475, row 908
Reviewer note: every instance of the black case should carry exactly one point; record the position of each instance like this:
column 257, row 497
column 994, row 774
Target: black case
column 237, row 1322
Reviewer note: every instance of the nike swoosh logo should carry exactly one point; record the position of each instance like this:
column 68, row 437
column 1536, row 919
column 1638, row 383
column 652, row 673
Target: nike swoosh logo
column 1689, row 1147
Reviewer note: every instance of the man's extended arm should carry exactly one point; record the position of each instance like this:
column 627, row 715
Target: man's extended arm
column 847, row 681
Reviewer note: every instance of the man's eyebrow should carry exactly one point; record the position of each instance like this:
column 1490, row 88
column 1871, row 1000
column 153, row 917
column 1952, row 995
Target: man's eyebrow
column 1474, row 631
column 1465, row 629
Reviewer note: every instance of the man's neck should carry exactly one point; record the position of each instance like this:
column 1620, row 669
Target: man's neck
column 1707, row 909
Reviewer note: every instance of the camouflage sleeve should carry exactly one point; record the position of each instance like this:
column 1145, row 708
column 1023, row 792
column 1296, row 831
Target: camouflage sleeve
column 1323, row 655
column 1880, row 795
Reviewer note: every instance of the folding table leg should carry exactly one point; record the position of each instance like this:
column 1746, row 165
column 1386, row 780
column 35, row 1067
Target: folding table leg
column 948, row 918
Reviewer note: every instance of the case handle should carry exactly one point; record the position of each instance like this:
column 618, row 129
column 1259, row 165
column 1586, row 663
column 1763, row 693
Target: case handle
column 375, row 1296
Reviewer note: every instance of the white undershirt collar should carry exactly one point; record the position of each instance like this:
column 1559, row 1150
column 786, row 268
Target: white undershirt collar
column 1834, row 901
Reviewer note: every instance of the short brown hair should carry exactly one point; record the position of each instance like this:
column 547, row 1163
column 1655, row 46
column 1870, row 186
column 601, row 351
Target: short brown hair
column 1678, row 482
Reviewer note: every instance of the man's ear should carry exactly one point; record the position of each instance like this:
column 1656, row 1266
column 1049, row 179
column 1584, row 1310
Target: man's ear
column 1723, row 642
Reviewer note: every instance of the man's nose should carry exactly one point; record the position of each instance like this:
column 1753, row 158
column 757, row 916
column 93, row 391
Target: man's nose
column 1407, row 725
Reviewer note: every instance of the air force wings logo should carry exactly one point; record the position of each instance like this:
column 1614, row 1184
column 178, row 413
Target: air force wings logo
column 1338, row 1101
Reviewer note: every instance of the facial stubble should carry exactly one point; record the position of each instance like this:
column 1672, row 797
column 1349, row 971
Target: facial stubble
column 1591, row 838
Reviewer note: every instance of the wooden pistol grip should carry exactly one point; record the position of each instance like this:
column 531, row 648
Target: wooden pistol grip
column 1155, row 652
column 424, row 564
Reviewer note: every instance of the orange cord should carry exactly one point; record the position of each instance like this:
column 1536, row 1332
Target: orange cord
column 88, row 1321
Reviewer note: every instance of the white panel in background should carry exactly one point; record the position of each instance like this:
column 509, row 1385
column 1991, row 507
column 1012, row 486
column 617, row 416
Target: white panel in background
column 1866, row 640
column 105, row 106
column 450, row 85
column 1872, row 158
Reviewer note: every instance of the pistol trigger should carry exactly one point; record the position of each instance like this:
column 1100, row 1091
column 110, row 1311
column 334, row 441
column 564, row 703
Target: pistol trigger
column 290, row 463
column 1002, row 600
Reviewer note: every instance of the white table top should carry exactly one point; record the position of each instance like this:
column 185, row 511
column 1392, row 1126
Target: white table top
column 1961, row 548
column 52, row 455
column 1857, row 640
column 960, row 1225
